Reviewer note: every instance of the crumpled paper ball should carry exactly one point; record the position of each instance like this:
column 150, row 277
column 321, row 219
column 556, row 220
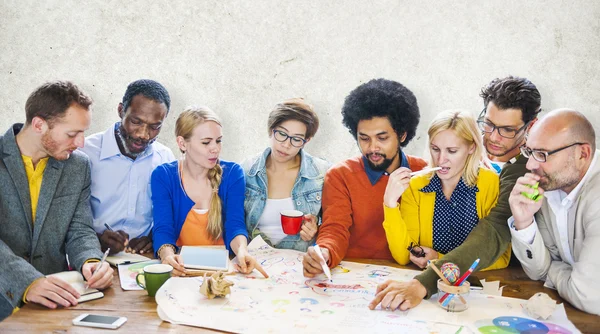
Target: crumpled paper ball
column 216, row 286
column 540, row 306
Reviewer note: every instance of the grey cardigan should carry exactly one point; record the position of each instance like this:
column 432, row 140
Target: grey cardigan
column 63, row 222
column 543, row 258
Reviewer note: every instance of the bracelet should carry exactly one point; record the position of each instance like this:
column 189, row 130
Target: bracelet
column 162, row 247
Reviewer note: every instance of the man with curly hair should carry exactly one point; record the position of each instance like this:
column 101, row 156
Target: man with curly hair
column 511, row 106
column 383, row 116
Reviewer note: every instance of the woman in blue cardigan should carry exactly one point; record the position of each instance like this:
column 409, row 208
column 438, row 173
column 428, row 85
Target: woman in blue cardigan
column 199, row 200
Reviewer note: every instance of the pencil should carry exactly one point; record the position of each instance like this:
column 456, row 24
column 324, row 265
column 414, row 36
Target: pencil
column 99, row 265
column 437, row 271
column 193, row 273
column 424, row 171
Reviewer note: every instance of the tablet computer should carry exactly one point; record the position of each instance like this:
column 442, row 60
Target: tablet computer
column 198, row 257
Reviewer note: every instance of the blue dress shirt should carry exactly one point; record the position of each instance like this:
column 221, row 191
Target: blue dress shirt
column 121, row 194
column 375, row 175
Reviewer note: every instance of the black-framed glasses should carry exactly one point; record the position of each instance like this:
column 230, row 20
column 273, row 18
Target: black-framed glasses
column 416, row 250
column 281, row 137
column 542, row 156
column 504, row 131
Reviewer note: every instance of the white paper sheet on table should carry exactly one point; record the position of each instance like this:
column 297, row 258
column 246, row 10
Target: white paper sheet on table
column 128, row 272
column 289, row 302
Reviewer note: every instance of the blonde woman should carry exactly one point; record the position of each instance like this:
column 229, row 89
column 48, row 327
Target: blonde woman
column 199, row 199
column 438, row 210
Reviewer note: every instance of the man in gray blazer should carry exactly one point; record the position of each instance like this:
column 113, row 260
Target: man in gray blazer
column 44, row 203
column 557, row 235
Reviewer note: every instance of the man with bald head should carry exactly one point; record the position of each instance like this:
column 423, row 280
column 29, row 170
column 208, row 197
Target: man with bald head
column 556, row 235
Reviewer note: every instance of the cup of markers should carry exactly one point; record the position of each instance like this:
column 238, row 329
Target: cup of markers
column 455, row 304
column 453, row 288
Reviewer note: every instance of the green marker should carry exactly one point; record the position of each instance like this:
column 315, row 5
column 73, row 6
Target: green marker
column 535, row 195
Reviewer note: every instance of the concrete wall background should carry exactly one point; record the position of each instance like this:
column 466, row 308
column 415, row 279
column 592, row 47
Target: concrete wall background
column 241, row 58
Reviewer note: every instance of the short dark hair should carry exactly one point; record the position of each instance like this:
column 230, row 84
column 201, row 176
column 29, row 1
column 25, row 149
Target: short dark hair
column 52, row 99
column 382, row 98
column 513, row 92
column 150, row 89
column 294, row 109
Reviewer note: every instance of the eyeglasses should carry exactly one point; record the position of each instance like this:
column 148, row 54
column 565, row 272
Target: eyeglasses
column 504, row 131
column 281, row 137
column 540, row 155
column 416, row 250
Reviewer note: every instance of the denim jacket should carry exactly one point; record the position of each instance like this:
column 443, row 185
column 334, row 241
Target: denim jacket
column 306, row 194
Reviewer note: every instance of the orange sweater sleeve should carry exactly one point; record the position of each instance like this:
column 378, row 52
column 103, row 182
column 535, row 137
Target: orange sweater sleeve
column 334, row 233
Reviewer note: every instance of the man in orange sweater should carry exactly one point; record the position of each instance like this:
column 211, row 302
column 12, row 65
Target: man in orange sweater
column 383, row 116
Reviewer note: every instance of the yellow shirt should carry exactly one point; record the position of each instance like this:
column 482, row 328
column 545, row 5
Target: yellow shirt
column 34, row 177
column 412, row 221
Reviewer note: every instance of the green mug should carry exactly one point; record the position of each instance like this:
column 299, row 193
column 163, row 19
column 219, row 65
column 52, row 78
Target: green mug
column 535, row 195
column 154, row 276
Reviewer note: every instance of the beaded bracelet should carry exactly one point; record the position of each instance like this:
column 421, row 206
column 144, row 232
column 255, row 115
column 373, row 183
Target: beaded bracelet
column 163, row 246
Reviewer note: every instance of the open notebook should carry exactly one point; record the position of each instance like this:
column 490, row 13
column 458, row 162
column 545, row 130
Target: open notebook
column 125, row 258
column 76, row 280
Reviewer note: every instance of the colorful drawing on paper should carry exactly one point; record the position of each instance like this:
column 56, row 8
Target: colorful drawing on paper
column 128, row 272
column 290, row 302
column 505, row 324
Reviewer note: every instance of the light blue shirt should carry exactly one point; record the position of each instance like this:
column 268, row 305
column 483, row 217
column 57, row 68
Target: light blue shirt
column 121, row 193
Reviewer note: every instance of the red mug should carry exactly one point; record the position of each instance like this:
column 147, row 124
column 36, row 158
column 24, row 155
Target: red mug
column 291, row 221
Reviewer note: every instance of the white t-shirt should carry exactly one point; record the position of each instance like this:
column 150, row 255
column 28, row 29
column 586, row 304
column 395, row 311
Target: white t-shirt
column 269, row 222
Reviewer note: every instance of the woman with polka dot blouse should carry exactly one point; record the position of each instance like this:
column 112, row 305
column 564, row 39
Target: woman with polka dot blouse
column 438, row 210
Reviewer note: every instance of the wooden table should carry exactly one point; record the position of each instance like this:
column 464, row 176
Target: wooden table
column 140, row 309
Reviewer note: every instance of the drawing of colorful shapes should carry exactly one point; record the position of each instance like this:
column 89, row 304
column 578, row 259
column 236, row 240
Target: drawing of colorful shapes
column 340, row 270
column 327, row 312
column 337, row 304
column 138, row 267
column 308, row 300
column 379, row 273
column 304, row 309
column 271, row 261
column 504, row 325
column 280, row 302
column 556, row 329
column 521, row 324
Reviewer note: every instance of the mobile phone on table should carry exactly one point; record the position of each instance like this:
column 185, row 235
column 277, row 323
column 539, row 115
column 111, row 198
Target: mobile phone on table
column 100, row 321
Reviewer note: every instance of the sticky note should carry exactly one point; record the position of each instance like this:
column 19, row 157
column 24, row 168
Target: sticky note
column 535, row 195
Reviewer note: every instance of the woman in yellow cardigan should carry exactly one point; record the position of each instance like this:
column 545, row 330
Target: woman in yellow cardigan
column 438, row 210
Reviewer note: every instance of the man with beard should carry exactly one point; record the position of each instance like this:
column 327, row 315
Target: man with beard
column 123, row 158
column 383, row 116
column 556, row 235
column 511, row 106
column 45, row 202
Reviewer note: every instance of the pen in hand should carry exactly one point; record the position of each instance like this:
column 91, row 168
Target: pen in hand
column 98, row 266
column 111, row 229
column 326, row 270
